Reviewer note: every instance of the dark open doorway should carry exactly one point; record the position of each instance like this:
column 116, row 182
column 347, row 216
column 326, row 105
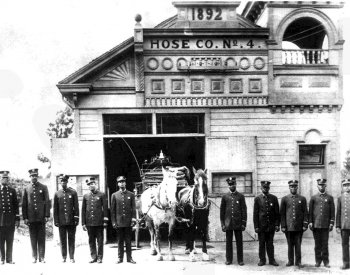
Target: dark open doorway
column 120, row 159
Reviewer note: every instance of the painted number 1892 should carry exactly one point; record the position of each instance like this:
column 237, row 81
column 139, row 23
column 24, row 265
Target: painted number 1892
column 207, row 14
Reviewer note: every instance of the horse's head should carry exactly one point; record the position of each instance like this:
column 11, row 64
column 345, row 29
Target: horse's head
column 168, row 188
column 200, row 198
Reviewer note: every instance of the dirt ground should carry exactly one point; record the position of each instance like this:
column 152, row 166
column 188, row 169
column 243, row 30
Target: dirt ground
column 147, row 264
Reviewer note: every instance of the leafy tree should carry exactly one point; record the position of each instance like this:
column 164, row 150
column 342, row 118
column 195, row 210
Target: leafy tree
column 345, row 173
column 44, row 159
column 63, row 125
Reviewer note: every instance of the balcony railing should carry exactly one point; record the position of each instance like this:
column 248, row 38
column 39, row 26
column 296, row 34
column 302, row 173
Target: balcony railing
column 305, row 56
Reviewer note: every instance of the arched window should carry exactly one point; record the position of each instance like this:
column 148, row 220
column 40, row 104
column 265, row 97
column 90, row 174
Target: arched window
column 305, row 41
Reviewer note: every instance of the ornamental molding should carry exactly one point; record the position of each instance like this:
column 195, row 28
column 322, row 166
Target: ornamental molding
column 227, row 101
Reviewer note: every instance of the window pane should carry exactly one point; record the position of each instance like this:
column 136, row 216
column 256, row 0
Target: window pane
column 180, row 123
column 311, row 154
column 127, row 124
column 244, row 182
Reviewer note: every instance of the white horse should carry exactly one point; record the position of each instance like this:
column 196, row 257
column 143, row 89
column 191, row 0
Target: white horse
column 159, row 204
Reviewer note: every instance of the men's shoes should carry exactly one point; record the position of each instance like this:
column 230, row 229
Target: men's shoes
column 289, row 264
column 241, row 263
column 274, row 263
column 228, row 262
column 34, row 261
column 131, row 261
column 99, row 261
column 72, row 261
column 119, row 261
column 326, row 265
column 345, row 267
column 2, row 261
column 261, row 263
column 10, row 262
column 93, row 261
column 63, row 260
column 42, row 261
column 299, row 265
column 317, row 264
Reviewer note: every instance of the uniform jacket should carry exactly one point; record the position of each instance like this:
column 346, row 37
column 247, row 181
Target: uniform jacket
column 36, row 202
column 321, row 211
column 94, row 210
column 9, row 212
column 65, row 207
column 123, row 208
column 233, row 211
column 343, row 211
column 266, row 214
column 294, row 215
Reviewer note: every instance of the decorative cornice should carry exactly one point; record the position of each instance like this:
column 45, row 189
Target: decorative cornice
column 304, row 108
column 75, row 88
column 227, row 101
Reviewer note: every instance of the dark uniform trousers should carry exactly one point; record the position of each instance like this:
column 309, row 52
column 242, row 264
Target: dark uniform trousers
column 66, row 216
column 343, row 222
column 94, row 214
column 294, row 216
column 35, row 208
column 9, row 213
column 266, row 218
column 233, row 214
column 123, row 210
column 321, row 215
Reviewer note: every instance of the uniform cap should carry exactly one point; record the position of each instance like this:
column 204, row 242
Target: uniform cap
column 346, row 181
column 33, row 172
column 90, row 180
column 293, row 183
column 4, row 174
column 265, row 183
column 121, row 178
column 231, row 180
column 63, row 177
column 321, row 181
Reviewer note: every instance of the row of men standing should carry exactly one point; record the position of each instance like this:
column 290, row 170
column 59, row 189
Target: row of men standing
column 293, row 218
column 36, row 213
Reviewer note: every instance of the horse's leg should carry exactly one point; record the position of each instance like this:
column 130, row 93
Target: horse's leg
column 191, row 236
column 157, row 242
column 150, row 227
column 204, row 231
column 170, row 240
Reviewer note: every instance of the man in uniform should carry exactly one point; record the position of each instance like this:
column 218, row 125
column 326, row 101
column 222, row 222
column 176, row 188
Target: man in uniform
column 321, row 221
column 343, row 221
column 266, row 218
column 233, row 217
column 94, row 217
column 294, row 221
column 36, row 212
column 66, row 216
column 123, row 212
column 9, row 217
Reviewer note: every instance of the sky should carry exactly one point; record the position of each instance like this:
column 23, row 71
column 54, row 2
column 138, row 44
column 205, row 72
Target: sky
column 42, row 42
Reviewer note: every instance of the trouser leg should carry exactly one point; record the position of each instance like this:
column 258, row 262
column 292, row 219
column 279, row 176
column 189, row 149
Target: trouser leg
column 318, row 244
column 10, row 232
column 128, row 232
column 92, row 242
column 262, row 254
column 297, row 242
column 345, row 246
column 290, row 247
column 239, row 245
column 269, row 246
column 34, row 239
column 41, row 239
column 2, row 242
column 63, row 239
column 229, row 249
column 99, row 236
column 71, row 229
column 324, row 240
column 120, row 234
